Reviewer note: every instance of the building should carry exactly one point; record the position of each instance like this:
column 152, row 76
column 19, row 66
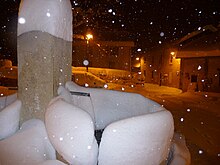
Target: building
column 103, row 54
column 200, row 60
column 191, row 64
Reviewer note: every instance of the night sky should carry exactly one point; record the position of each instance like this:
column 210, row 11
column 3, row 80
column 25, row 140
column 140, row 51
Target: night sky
column 149, row 23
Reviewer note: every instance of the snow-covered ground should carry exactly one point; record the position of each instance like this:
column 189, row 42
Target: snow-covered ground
column 196, row 116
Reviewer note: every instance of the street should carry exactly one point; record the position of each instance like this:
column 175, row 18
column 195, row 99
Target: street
column 196, row 115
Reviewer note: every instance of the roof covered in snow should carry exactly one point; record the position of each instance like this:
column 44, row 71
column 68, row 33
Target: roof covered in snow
column 200, row 43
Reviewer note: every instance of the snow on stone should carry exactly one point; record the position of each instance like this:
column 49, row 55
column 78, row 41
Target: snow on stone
column 77, row 100
column 52, row 162
column 9, row 119
column 137, row 140
column 110, row 106
column 47, row 16
column 181, row 154
column 71, row 131
column 6, row 100
column 30, row 145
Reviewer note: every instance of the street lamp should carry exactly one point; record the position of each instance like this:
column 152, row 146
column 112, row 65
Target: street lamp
column 89, row 36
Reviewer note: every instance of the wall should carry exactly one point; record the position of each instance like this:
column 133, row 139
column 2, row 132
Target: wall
column 201, row 74
column 103, row 54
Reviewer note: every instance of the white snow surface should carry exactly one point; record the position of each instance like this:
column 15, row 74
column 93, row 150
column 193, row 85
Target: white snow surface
column 6, row 100
column 110, row 106
column 30, row 145
column 71, row 131
column 52, row 162
column 52, row 16
column 9, row 119
column 137, row 140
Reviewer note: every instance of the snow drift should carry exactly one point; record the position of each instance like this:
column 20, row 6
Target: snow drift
column 136, row 130
column 9, row 119
column 109, row 106
column 134, row 125
column 71, row 131
column 29, row 145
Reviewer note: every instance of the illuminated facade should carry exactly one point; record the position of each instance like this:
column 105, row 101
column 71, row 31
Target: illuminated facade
column 103, row 54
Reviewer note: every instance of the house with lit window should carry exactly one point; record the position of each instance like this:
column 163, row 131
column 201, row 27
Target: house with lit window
column 200, row 60
column 191, row 64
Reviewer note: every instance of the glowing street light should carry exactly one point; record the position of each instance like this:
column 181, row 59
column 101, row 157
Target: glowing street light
column 89, row 36
column 172, row 53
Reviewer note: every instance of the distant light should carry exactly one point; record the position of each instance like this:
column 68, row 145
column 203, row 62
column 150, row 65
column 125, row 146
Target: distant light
column 199, row 67
column 172, row 53
column 137, row 58
column 21, row 20
column 89, row 36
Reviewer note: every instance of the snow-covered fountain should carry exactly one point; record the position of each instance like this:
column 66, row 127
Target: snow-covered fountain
column 56, row 115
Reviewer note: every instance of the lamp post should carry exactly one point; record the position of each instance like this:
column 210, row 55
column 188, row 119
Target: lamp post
column 89, row 37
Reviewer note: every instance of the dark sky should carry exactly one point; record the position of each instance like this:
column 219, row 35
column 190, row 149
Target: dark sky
column 148, row 23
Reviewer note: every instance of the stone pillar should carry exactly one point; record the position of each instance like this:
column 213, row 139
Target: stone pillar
column 44, row 53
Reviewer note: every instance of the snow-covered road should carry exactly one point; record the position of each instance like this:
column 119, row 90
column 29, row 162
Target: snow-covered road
column 196, row 116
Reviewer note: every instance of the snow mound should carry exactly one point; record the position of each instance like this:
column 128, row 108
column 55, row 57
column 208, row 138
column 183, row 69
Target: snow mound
column 52, row 162
column 71, row 131
column 137, row 140
column 181, row 154
column 107, row 106
column 6, row 100
column 9, row 119
column 47, row 16
column 54, row 17
column 30, row 145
